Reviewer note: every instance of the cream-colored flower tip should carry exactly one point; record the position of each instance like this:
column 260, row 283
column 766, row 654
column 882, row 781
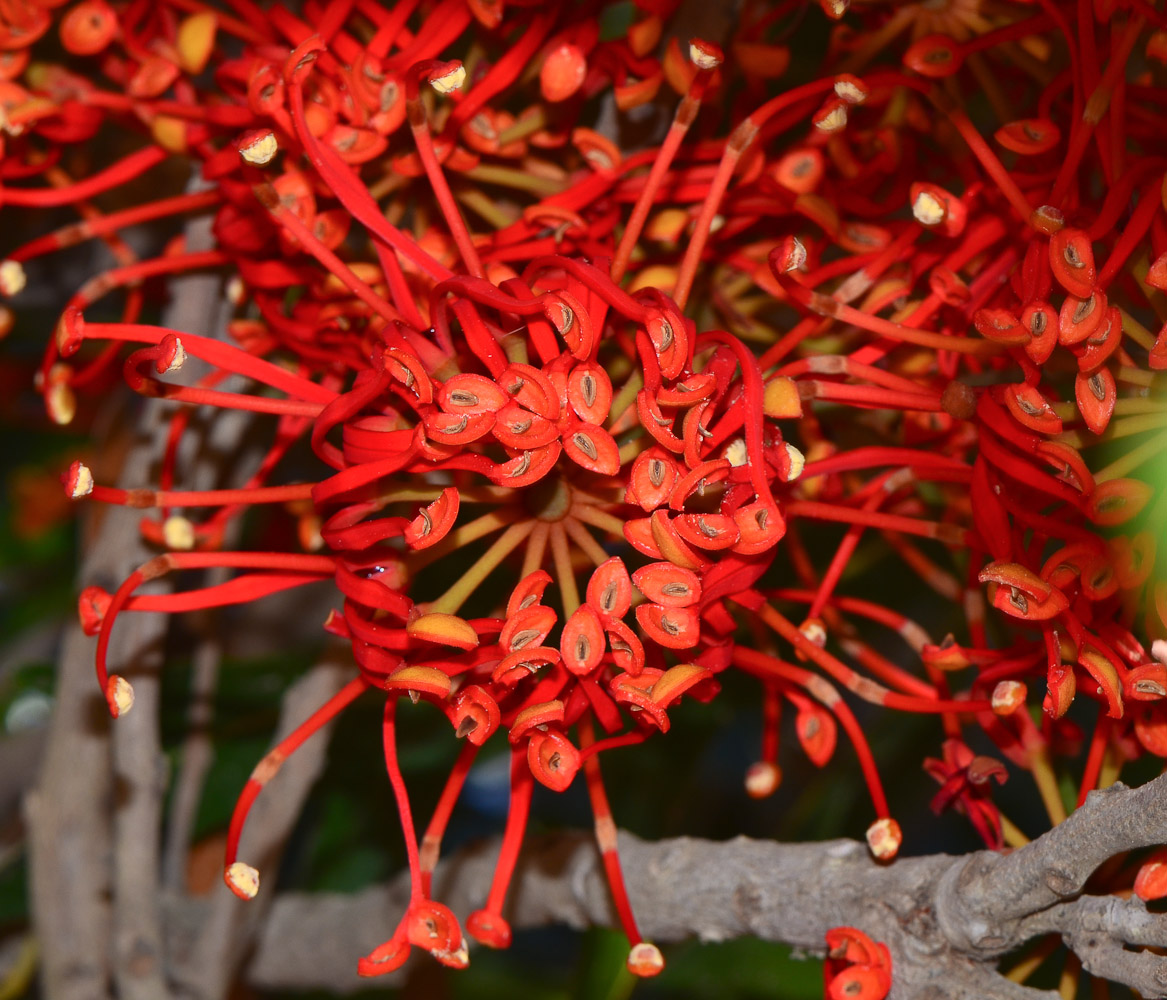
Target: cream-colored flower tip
column 884, row 838
column 645, row 959
column 833, row 120
column 121, row 695
column 178, row 533
column 736, row 453
column 12, row 278
column 797, row 462
column 241, row 879
column 762, row 779
column 259, row 147
column 928, row 209
column 451, row 80
column 179, row 358
column 1008, row 696
column 79, row 481
column 704, row 55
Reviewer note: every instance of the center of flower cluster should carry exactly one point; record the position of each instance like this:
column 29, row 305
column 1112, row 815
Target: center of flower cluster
column 549, row 500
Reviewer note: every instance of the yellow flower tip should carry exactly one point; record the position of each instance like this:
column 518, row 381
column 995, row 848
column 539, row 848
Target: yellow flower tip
column 1008, row 696
column 780, row 399
column 12, row 278
column 667, row 225
column 662, row 276
column 851, row 89
column 832, row 119
column 705, row 55
column 169, row 132
column 762, row 779
column 451, row 79
column 236, row 290
column 815, row 631
column 60, row 403
column 797, row 462
column 78, row 481
column 258, row 147
column 119, row 694
column 884, row 838
column 645, row 960
column 928, row 209
column 178, row 359
column 644, row 35
column 793, row 256
column 534, row 716
column 418, row 681
column 736, row 453
column 835, row 9
column 196, row 41
column 178, row 533
column 676, row 681
column 449, row 630
column 241, row 879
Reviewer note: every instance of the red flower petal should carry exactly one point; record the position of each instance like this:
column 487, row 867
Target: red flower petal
column 652, row 479
column 434, row 521
column 589, row 390
column 470, row 394
column 1096, row 395
column 527, row 628
column 553, row 759
column 582, row 642
column 1071, row 258
column 610, row 589
column 673, row 628
column 593, row 448
column 1029, row 136
column 708, row 531
column 669, row 585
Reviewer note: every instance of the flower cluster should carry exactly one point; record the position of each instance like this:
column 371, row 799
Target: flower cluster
column 490, row 322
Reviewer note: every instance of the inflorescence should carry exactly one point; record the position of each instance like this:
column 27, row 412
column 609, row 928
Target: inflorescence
column 909, row 296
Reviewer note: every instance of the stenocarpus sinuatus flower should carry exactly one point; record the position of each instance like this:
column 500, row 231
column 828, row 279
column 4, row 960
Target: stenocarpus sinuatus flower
column 594, row 425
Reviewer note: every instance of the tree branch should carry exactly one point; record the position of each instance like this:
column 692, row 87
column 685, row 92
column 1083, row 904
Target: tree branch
column 948, row 920
column 198, row 750
column 68, row 823
column 207, row 967
column 139, row 770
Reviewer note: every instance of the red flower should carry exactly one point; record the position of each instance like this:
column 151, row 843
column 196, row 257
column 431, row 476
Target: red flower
column 966, row 785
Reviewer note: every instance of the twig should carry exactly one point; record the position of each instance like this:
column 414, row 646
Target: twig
column 197, row 305
column 208, row 969
column 197, row 749
column 68, row 813
column 139, row 782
